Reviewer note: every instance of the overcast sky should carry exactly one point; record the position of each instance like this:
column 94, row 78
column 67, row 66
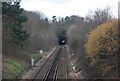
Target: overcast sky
column 64, row 8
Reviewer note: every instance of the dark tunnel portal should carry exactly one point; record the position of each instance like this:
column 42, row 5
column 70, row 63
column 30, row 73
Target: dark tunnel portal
column 62, row 40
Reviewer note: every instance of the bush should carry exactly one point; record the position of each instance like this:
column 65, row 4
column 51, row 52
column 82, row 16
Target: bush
column 37, row 57
column 102, row 49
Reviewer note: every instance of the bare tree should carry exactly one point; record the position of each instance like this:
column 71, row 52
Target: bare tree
column 42, row 33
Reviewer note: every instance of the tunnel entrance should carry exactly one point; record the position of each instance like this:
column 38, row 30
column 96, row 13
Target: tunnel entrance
column 62, row 40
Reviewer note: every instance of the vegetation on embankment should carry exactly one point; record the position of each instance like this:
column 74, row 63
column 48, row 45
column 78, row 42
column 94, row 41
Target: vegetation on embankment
column 13, row 69
column 13, row 40
column 77, row 37
column 24, row 34
column 102, row 49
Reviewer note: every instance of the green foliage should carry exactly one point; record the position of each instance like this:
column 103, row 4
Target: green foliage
column 37, row 58
column 14, row 13
column 19, row 33
column 102, row 48
column 11, row 9
column 13, row 69
column 20, row 18
column 14, row 39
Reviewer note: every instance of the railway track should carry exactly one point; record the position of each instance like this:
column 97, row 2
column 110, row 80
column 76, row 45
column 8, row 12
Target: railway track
column 54, row 68
column 62, row 64
column 52, row 71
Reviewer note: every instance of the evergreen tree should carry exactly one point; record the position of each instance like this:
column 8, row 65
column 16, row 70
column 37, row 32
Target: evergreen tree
column 14, row 19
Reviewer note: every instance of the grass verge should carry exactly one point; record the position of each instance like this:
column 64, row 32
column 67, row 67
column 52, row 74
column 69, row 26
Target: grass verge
column 13, row 69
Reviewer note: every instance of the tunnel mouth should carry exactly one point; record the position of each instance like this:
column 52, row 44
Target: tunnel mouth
column 62, row 40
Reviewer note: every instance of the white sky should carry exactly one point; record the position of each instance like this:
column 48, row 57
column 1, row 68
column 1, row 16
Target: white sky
column 64, row 8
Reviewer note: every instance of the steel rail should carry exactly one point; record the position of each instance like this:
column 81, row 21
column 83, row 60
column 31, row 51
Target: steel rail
column 54, row 67
column 43, row 65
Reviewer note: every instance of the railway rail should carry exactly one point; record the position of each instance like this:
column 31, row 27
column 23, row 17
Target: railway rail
column 54, row 68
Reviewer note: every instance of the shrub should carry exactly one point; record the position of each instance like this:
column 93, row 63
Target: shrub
column 102, row 48
column 37, row 57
